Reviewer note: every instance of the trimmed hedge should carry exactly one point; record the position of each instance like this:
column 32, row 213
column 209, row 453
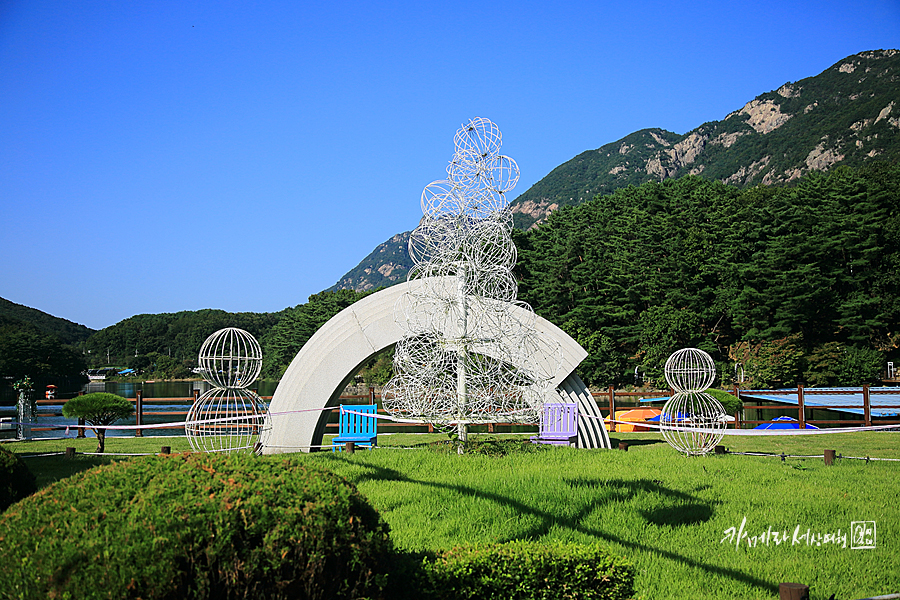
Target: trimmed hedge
column 526, row 570
column 195, row 526
column 16, row 479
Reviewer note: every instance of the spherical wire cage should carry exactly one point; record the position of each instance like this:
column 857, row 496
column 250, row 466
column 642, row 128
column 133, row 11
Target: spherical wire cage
column 227, row 420
column 693, row 422
column 690, row 370
column 230, row 358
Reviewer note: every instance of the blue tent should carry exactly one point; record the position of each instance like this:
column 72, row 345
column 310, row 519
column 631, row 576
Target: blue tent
column 784, row 423
column 678, row 417
column 126, row 371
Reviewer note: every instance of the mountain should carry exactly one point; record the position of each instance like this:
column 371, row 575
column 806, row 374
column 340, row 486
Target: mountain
column 67, row 331
column 846, row 115
column 386, row 265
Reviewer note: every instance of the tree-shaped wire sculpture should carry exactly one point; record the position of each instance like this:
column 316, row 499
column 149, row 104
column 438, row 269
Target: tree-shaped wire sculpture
column 692, row 421
column 464, row 329
column 228, row 417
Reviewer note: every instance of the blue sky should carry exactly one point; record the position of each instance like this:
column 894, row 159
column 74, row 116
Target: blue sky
column 167, row 156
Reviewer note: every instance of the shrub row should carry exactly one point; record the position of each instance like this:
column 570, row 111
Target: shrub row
column 525, row 570
column 16, row 480
column 212, row 526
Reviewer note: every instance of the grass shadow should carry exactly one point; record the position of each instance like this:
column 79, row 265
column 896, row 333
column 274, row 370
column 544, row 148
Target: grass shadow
column 697, row 511
column 50, row 469
column 614, row 442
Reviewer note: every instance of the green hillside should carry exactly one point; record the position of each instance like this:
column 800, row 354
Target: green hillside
column 846, row 115
column 386, row 265
column 67, row 331
column 799, row 284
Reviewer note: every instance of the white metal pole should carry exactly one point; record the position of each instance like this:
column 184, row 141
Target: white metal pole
column 461, row 350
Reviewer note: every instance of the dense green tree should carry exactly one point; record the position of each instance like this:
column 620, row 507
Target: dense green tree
column 606, row 363
column 860, row 365
column 692, row 262
column 27, row 351
column 771, row 362
column 99, row 410
column 285, row 339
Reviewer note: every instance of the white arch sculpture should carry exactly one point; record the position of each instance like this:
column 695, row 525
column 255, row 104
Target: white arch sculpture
column 332, row 356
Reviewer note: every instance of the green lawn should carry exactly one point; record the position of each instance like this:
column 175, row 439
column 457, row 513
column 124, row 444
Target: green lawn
column 669, row 514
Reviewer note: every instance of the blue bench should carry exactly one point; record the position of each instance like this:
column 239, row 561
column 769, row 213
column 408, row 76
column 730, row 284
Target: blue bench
column 360, row 429
column 559, row 425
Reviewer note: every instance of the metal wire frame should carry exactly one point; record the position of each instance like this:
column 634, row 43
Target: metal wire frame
column 690, row 370
column 230, row 358
column 462, row 330
column 227, row 420
column 694, row 410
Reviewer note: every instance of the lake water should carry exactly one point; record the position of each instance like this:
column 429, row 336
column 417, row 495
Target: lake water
column 48, row 414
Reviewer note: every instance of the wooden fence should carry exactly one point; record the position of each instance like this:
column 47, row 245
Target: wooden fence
column 801, row 407
column 608, row 401
column 141, row 403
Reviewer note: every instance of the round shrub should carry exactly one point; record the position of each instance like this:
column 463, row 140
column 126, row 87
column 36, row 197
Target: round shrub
column 16, row 480
column 195, row 526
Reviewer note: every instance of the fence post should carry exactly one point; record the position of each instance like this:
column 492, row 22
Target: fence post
column 829, row 457
column 793, row 591
column 867, row 405
column 738, row 417
column 80, row 428
column 801, row 406
column 371, row 395
column 196, row 395
column 138, row 412
column 612, row 407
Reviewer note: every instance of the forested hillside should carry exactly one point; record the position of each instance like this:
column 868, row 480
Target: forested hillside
column 846, row 115
column 167, row 344
column 67, row 331
column 26, row 350
column 38, row 345
column 796, row 284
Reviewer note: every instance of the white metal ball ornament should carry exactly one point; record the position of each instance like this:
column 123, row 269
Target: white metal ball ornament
column 690, row 370
column 228, row 418
column 692, row 421
column 230, row 358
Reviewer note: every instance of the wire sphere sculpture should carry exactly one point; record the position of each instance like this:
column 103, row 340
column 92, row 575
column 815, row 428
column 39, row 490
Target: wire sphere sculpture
column 226, row 420
column 693, row 422
column 464, row 329
column 230, row 358
column 228, row 417
column 690, row 370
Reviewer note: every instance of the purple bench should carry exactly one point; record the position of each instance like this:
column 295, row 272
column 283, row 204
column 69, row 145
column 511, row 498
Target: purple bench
column 559, row 425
